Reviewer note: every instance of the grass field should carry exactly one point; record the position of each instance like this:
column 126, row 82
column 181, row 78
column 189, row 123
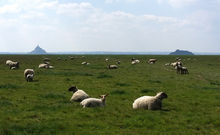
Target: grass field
column 42, row 107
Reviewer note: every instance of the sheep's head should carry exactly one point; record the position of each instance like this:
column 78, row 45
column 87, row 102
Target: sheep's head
column 103, row 96
column 161, row 95
column 73, row 89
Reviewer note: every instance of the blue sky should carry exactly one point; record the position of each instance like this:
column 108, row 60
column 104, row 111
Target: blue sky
column 110, row 25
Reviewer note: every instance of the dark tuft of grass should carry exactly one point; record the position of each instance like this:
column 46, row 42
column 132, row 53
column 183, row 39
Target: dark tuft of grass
column 104, row 76
column 154, row 81
column 215, row 83
column 122, row 84
column 52, row 95
column 146, row 90
column 117, row 92
column 9, row 86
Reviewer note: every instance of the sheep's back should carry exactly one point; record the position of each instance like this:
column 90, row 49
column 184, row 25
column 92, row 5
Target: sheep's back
column 79, row 95
column 142, row 102
column 91, row 102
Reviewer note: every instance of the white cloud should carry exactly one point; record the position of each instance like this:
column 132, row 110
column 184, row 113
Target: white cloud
column 178, row 3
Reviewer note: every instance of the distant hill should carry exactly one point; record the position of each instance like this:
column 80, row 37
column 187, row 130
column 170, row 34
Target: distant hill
column 181, row 52
column 38, row 50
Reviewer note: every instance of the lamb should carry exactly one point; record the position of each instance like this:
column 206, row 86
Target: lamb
column 29, row 75
column 12, row 65
column 152, row 61
column 112, row 66
column 150, row 102
column 94, row 102
column 78, row 95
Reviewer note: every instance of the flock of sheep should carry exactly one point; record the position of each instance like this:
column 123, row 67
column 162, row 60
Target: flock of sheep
column 144, row 102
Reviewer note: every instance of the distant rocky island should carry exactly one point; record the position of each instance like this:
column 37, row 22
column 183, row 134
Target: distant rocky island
column 38, row 50
column 181, row 52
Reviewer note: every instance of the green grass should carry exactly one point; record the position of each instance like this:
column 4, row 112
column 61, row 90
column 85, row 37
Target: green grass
column 42, row 107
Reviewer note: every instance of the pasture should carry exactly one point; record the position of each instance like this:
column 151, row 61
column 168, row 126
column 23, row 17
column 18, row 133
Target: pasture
column 42, row 107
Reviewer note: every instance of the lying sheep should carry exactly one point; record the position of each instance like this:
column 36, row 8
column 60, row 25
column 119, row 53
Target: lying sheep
column 85, row 63
column 150, row 102
column 43, row 65
column 112, row 66
column 135, row 62
column 94, row 102
column 12, row 65
column 47, row 66
column 29, row 75
column 78, row 95
column 152, row 61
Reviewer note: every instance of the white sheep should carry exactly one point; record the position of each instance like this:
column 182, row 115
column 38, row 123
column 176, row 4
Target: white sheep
column 78, row 95
column 112, row 66
column 7, row 62
column 152, row 61
column 29, row 75
column 12, row 65
column 135, row 62
column 150, row 102
column 43, row 65
column 94, row 102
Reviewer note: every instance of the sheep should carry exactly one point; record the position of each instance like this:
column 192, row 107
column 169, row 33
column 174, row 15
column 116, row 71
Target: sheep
column 43, row 65
column 112, row 66
column 78, row 95
column 12, row 65
column 71, row 58
column 152, row 61
column 150, row 102
column 118, row 62
column 7, row 62
column 85, row 63
column 135, row 62
column 29, row 75
column 167, row 64
column 106, row 60
column 181, row 70
column 94, row 102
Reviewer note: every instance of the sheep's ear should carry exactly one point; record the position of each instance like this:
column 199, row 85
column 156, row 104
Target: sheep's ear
column 106, row 95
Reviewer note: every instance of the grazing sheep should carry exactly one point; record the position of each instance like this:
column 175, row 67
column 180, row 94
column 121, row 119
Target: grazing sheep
column 29, row 75
column 94, row 102
column 181, row 70
column 78, row 95
column 12, row 65
column 152, row 61
column 106, row 60
column 112, row 66
column 150, row 102
column 184, row 70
